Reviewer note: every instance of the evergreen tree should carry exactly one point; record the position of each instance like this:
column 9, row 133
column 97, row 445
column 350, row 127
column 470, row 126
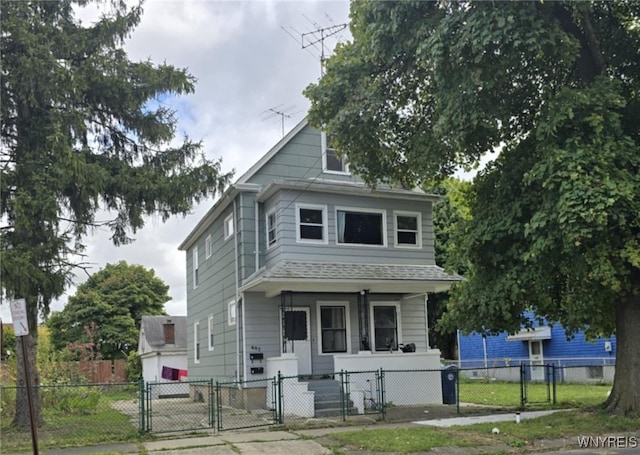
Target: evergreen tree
column 81, row 133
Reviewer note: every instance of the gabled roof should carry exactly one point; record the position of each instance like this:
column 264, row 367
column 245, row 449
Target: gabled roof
column 240, row 185
column 272, row 152
column 151, row 328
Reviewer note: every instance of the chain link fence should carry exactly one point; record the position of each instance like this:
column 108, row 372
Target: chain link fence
column 82, row 414
column 73, row 415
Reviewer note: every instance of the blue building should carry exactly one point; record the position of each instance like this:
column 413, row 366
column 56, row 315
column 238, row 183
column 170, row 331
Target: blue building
column 580, row 360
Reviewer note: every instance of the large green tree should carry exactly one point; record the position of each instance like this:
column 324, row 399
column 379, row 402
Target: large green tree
column 427, row 86
column 82, row 132
column 112, row 301
column 450, row 217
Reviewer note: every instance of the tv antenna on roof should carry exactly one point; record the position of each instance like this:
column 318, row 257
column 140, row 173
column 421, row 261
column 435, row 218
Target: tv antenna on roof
column 317, row 37
column 278, row 111
column 312, row 38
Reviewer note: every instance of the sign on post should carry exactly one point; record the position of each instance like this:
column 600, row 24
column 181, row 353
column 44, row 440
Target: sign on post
column 19, row 315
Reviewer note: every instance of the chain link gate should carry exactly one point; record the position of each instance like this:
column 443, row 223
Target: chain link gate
column 362, row 393
column 537, row 392
column 248, row 404
column 176, row 406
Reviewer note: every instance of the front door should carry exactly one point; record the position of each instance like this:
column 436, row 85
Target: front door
column 536, row 360
column 296, row 337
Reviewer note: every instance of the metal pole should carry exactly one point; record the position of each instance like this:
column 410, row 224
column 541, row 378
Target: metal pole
column 34, row 434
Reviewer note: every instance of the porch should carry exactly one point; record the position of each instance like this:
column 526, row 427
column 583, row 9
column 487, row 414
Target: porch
column 357, row 383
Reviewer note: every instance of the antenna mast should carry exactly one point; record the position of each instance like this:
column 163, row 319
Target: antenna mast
column 325, row 32
column 278, row 111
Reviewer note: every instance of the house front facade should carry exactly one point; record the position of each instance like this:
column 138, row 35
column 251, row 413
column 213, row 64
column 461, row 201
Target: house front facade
column 301, row 268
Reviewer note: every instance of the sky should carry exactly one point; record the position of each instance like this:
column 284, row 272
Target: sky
column 249, row 61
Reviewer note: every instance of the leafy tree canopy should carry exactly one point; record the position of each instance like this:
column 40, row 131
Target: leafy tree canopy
column 428, row 86
column 106, row 310
column 83, row 137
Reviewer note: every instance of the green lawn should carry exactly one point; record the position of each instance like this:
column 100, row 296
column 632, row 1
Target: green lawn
column 507, row 394
column 565, row 424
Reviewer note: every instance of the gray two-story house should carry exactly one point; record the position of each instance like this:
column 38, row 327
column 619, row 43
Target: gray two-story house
column 301, row 268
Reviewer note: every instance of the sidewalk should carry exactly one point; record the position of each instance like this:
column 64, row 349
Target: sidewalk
column 263, row 441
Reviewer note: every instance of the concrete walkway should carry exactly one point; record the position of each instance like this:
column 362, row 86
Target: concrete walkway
column 262, row 441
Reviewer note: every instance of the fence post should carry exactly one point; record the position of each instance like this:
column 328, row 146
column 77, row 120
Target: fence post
column 141, row 391
column 523, row 385
column 553, row 369
column 382, row 394
column 280, row 399
column 343, row 401
column 457, row 390
column 212, row 418
column 218, row 408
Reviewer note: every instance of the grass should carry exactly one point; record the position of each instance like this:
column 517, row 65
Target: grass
column 73, row 426
column 507, row 394
column 512, row 437
column 105, row 425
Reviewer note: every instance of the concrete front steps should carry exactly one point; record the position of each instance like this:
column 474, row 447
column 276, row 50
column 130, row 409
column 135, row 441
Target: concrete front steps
column 327, row 400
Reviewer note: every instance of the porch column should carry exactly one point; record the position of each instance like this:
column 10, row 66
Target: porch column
column 363, row 320
column 286, row 300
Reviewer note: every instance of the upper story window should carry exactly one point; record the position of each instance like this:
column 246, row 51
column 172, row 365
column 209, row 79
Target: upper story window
column 196, row 277
column 408, row 227
column 228, row 226
column 311, row 223
column 331, row 162
column 271, row 228
column 361, row 227
column 207, row 247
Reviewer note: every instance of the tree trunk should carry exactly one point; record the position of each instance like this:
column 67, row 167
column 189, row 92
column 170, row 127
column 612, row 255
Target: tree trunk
column 625, row 396
column 21, row 418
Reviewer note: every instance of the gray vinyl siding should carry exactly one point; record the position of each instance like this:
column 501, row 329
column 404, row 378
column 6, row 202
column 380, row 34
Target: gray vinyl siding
column 262, row 333
column 301, row 157
column 246, row 234
column 414, row 322
column 288, row 248
column 262, row 319
column 217, row 287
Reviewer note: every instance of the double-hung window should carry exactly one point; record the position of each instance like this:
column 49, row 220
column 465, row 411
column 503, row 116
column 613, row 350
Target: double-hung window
column 232, row 311
column 194, row 260
column 361, row 227
column 211, row 331
column 408, row 227
column 196, row 342
column 271, row 228
column 334, row 327
column 207, row 247
column 386, row 326
column 330, row 160
column 311, row 223
column 228, row 226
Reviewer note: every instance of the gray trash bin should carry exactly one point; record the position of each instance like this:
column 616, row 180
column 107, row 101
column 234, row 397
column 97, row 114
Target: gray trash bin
column 449, row 384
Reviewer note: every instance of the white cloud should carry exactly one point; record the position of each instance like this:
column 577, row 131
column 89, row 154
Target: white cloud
column 245, row 64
